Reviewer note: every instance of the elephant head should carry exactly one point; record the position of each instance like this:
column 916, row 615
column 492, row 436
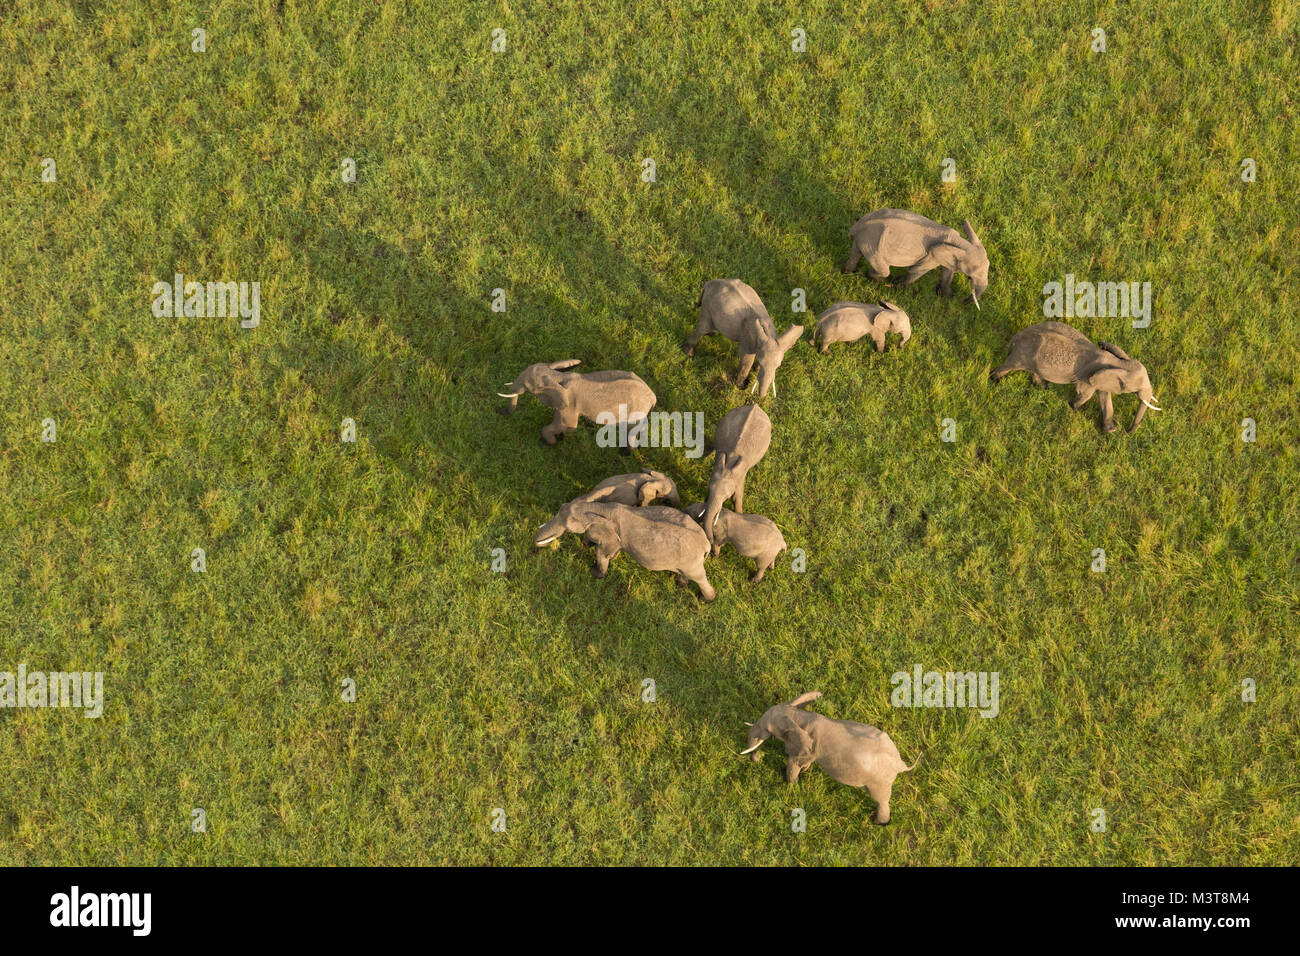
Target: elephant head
column 1121, row 375
column 544, row 379
column 966, row 256
column 575, row 517
column 658, row 485
column 728, row 470
column 781, row 722
column 890, row 318
column 771, row 353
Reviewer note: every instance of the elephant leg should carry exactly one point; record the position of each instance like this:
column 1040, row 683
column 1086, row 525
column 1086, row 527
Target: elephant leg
column 792, row 770
column 1107, row 412
column 1037, row 380
column 702, row 328
column 1081, row 394
column 762, row 569
column 564, row 421
column 880, row 793
column 1005, row 369
column 914, row 273
column 877, row 268
column 739, row 497
column 697, row 575
column 945, row 284
column 746, row 366
column 855, row 256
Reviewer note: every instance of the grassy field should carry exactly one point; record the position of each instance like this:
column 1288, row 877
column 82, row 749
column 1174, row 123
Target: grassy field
column 521, row 690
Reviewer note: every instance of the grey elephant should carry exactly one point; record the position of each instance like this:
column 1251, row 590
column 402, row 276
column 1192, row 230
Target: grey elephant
column 637, row 490
column 739, row 443
column 896, row 237
column 1061, row 354
column 608, row 397
column 655, row 537
column 752, row 535
column 855, row 754
column 733, row 309
column 849, row 321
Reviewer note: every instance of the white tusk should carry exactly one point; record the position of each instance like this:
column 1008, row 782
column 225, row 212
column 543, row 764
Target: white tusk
column 515, row 395
column 774, row 388
column 747, row 723
column 1150, row 406
column 976, row 301
column 538, row 544
column 754, row 386
column 751, row 749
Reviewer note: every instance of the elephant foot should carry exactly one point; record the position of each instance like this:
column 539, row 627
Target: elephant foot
column 596, row 572
column 1108, row 427
column 756, row 577
column 824, row 349
column 880, row 822
column 946, row 293
column 688, row 349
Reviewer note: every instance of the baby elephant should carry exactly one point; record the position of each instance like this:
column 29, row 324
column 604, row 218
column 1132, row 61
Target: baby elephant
column 854, row 754
column 638, row 490
column 849, row 321
column 896, row 237
column 606, row 397
column 733, row 309
column 752, row 535
column 1058, row 353
column 655, row 537
column 739, row 443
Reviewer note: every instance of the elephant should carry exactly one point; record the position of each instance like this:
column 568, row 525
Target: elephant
column 606, row 397
column 896, row 237
column 849, row 321
column 655, row 537
column 740, row 442
column 639, row 489
column 733, row 309
column 855, row 754
column 752, row 535
column 1058, row 353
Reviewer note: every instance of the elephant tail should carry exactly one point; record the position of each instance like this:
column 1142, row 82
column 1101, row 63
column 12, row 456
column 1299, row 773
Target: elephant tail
column 914, row 763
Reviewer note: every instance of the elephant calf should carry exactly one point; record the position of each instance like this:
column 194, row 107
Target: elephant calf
column 855, row 754
column 638, row 490
column 752, row 535
column 613, row 396
column 733, row 309
column 896, row 237
column 1061, row 354
column 739, row 443
column 849, row 321
column 655, row 537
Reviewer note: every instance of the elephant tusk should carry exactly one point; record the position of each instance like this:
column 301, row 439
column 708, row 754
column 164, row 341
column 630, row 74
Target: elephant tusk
column 1150, row 406
column 754, row 386
column 774, row 388
column 976, row 301
column 538, row 544
column 514, row 395
column 747, row 723
column 751, row 749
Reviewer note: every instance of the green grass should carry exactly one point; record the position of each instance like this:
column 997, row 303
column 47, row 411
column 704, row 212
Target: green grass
column 521, row 690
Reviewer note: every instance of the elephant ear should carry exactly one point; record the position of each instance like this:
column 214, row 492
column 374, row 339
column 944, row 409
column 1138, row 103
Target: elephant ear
column 796, row 739
column 1108, row 378
column 552, row 396
column 565, row 364
column 1114, row 350
column 948, row 255
column 600, row 493
column 647, row 492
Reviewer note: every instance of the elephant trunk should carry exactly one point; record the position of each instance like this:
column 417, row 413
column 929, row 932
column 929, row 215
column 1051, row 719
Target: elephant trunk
column 711, row 511
column 516, row 389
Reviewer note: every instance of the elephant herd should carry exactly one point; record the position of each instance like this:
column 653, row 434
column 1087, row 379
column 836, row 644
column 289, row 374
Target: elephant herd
column 619, row 514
